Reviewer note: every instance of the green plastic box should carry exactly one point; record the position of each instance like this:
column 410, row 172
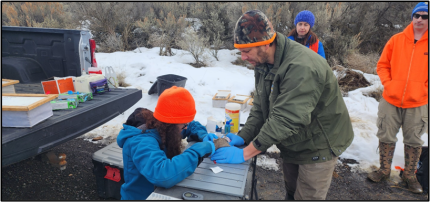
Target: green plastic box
column 70, row 103
column 81, row 97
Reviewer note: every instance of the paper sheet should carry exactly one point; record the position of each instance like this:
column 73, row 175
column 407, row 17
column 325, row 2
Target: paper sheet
column 216, row 169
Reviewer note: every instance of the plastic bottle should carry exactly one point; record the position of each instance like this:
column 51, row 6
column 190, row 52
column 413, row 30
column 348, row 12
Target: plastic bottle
column 227, row 127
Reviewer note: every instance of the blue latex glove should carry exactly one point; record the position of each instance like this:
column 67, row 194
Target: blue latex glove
column 228, row 155
column 194, row 132
column 210, row 137
column 236, row 140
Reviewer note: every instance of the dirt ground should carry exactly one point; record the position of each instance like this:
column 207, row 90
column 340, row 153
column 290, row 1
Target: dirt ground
column 34, row 179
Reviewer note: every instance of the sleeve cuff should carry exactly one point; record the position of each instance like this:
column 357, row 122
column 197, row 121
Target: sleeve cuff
column 212, row 146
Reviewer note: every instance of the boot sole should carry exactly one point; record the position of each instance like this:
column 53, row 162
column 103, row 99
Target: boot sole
column 411, row 190
column 416, row 192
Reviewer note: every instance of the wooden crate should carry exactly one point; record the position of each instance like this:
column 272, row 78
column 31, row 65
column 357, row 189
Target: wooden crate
column 7, row 85
column 240, row 99
column 25, row 110
column 220, row 98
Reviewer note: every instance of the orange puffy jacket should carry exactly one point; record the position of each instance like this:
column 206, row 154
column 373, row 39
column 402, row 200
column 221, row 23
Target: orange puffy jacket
column 403, row 69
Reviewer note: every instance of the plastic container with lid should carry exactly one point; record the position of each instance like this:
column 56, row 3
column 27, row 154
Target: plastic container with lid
column 94, row 70
column 232, row 114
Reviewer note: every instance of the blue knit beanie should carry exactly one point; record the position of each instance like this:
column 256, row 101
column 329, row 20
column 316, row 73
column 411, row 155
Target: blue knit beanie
column 305, row 16
column 422, row 6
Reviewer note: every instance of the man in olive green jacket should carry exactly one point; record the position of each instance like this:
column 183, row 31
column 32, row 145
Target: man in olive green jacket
column 297, row 106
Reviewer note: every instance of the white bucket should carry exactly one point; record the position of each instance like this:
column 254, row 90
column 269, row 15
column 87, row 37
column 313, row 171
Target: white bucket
column 232, row 112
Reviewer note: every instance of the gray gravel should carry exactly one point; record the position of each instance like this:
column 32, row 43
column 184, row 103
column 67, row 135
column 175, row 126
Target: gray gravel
column 35, row 179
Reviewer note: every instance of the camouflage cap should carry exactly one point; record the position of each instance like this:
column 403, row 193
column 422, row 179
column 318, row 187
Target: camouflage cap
column 253, row 29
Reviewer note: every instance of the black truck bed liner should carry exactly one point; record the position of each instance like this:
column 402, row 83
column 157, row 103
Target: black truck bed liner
column 21, row 143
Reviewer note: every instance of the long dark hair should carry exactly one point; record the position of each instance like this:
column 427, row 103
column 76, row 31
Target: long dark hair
column 313, row 39
column 169, row 133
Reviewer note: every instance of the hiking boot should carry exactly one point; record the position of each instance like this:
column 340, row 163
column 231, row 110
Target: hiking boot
column 386, row 152
column 412, row 155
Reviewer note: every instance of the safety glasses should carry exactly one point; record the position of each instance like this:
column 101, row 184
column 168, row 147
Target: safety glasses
column 185, row 125
column 424, row 17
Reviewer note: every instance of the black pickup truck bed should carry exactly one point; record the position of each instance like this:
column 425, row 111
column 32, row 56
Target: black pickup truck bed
column 21, row 143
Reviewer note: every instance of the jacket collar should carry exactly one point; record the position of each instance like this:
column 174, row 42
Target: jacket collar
column 280, row 50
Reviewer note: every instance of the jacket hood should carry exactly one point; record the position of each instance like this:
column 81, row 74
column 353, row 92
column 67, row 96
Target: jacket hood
column 131, row 131
column 409, row 32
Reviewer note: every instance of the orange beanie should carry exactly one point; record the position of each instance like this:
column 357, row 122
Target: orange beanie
column 175, row 105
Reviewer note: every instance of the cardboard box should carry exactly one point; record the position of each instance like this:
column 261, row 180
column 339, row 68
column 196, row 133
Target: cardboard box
column 25, row 110
column 240, row 99
column 220, row 98
column 7, row 85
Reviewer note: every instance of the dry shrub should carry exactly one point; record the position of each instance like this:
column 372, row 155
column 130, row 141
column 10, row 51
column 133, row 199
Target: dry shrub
column 352, row 80
column 244, row 63
column 196, row 45
column 377, row 94
column 111, row 44
column 365, row 63
column 121, row 77
column 33, row 14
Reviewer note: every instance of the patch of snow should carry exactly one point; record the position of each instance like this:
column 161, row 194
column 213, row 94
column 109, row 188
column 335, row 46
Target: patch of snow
column 267, row 163
column 140, row 68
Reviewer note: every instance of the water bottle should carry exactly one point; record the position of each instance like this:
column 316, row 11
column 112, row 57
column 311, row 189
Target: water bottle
column 227, row 127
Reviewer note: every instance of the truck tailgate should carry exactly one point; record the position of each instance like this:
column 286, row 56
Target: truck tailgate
column 21, row 143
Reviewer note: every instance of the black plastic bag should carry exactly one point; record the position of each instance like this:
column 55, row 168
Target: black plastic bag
column 423, row 169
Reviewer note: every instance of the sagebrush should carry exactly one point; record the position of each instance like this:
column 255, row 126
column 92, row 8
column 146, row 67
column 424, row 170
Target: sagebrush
column 344, row 28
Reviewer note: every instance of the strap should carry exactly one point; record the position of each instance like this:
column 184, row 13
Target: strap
column 113, row 174
column 314, row 46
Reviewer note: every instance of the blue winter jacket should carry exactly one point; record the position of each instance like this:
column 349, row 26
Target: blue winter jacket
column 320, row 46
column 146, row 165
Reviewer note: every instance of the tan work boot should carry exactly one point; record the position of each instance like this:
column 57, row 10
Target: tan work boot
column 386, row 152
column 412, row 155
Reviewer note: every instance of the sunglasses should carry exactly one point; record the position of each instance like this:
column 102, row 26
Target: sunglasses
column 185, row 125
column 424, row 17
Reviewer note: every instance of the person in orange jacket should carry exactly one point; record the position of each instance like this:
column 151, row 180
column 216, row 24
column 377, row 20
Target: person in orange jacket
column 403, row 70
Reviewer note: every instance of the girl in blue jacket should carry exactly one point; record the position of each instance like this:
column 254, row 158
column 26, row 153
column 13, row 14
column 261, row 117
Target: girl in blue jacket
column 302, row 32
column 151, row 144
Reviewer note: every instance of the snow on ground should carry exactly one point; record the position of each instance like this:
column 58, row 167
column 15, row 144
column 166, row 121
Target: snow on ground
column 142, row 66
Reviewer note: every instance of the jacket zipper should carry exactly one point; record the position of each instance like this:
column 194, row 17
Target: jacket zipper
column 407, row 78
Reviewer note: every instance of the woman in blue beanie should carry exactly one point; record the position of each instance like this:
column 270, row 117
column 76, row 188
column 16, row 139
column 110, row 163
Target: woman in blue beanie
column 302, row 32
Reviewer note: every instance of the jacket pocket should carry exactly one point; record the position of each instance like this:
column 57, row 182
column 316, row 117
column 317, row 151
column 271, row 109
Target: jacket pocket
column 301, row 136
column 416, row 92
column 393, row 89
